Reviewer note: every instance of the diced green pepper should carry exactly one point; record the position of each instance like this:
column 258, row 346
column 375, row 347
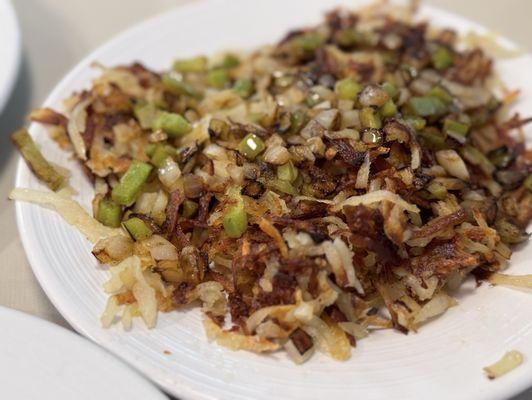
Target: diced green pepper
column 308, row 42
column 160, row 154
column 218, row 78
column 150, row 149
column 501, row 157
column 389, row 109
column 282, row 186
column 146, row 114
column 230, row 61
column 369, row 118
column 433, row 139
column 137, row 228
column 173, row 124
column 437, row 190
column 109, row 213
column 287, row 172
column 131, row 183
column 189, row 208
column 442, row 58
column 251, row 146
column 347, row 37
column 219, row 128
column 390, row 88
column 36, row 161
column 195, row 64
column 528, row 183
column 297, row 120
column 426, row 106
column 441, row 93
column 243, row 87
column 178, row 87
column 416, row 123
column 235, row 219
column 475, row 157
column 347, row 89
column 452, row 128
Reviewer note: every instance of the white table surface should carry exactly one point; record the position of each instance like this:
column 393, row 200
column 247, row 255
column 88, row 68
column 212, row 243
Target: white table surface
column 58, row 33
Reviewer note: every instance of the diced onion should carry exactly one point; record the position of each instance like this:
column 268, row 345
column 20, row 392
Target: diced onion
column 453, row 164
column 77, row 125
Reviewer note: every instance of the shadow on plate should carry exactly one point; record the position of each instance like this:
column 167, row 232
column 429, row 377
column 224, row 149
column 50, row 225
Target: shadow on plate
column 14, row 114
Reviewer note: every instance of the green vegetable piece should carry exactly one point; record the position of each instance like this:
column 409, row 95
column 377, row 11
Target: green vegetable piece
column 442, row 58
column 109, row 213
column 287, row 172
column 218, row 78
column 389, row 109
column 390, row 88
column 195, row 64
column 219, row 128
column 282, row 186
column 130, row 185
column 437, row 190
column 426, row 106
column 441, row 93
column 347, row 89
column 452, row 128
column 235, row 219
column 297, row 120
column 416, row 123
column 36, row 161
column 243, row 87
column 308, row 42
column 137, row 228
column 230, row 61
column 189, row 208
column 433, row 139
column 160, row 154
column 501, row 157
column 178, row 87
column 369, row 118
column 313, row 99
column 410, row 70
column 528, row 183
column 173, row 124
column 347, row 37
column 251, row 146
column 150, row 149
column 146, row 115
column 475, row 157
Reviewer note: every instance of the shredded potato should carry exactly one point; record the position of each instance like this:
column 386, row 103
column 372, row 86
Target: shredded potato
column 521, row 281
column 69, row 209
column 507, row 363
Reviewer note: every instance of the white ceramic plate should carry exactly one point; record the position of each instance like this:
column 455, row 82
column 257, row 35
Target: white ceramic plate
column 443, row 361
column 9, row 50
column 40, row 360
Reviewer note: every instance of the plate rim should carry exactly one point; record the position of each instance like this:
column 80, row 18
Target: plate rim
column 13, row 63
column 184, row 391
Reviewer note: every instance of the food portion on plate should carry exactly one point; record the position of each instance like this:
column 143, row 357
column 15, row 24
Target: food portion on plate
column 345, row 179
